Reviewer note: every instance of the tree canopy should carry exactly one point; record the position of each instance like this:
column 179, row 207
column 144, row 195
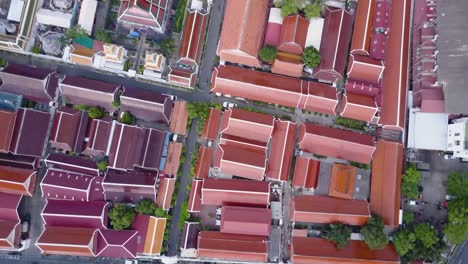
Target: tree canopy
column 457, row 184
column 102, row 165
column 103, row 36
column 404, row 241
column 75, row 32
column 311, row 57
column 312, row 10
column 408, row 217
column 167, row 47
column 373, row 233
column 96, row 112
column 456, row 229
column 426, row 234
column 339, row 233
column 268, row 53
column 127, row 118
column 409, row 184
column 146, row 207
column 121, row 216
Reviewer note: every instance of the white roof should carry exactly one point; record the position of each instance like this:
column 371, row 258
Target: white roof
column 15, row 11
column 87, row 14
column 275, row 16
column 54, row 18
column 196, row 5
column 427, row 131
column 314, row 33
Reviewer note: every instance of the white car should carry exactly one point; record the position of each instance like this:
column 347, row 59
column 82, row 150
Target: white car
column 229, row 105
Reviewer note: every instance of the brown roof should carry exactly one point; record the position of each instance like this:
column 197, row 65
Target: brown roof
column 98, row 133
column 281, row 150
column 154, row 61
column 193, row 36
column 337, row 143
column 359, row 106
column 173, row 158
column 342, row 181
column 7, row 119
column 293, row 34
column 385, row 181
column 17, row 181
column 211, row 128
column 30, row 132
column 327, row 210
column 287, row 66
column 202, row 169
column 305, row 250
column 213, row 244
column 68, row 241
column 223, row 191
column 306, row 173
column 179, row 118
column 246, row 220
column 150, row 233
column 147, row 105
column 82, row 55
column 366, row 69
column 395, row 81
column 243, row 30
column 165, row 191
column 194, row 203
column 247, row 124
column 363, row 27
column 68, row 129
column 334, row 45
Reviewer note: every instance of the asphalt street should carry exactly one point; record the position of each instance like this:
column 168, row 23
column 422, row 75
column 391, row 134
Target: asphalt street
column 461, row 254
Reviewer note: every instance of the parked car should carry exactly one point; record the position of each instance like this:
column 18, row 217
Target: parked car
column 229, row 105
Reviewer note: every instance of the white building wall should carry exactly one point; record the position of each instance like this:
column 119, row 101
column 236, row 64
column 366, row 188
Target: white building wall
column 456, row 140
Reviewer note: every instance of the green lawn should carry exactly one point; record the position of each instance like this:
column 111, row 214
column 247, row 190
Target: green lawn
column 179, row 17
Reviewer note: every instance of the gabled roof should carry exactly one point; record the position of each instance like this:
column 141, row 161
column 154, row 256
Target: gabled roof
column 113, row 53
column 281, row 150
column 68, row 129
column 246, row 124
column 72, row 163
column 273, row 27
column 33, row 83
column 7, row 119
column 327, row 210
column 306, row 172
column 287, row 64
column 193, row 35
column 147, row 105
column 365, row 69
column 150, row 233
column 212, row 244
column 246, row 220
column 240, row 192
column 149, row 13
column 387, row 168
column 293, row 34
column 243, row 31
column 358, row 106
column 182, row 77
column 9, row 204
column 334, row 46
column 194, row 204
column 179, row 118
column 18, row 161
column 363, row 26
column 165, row 191
column 73, row 241
column 17, row 181
column 190, row 235
column 82, row 55
column 30, row 132
column 211, row 128
column 173, row 158
column 75, row 213
column 343, row 177
column 202, row 169
column 116, row 243
column 364, row 88
column 10, row 233
column 306, row 250
column 336, row 143
column 131, row 186
column 154, row 61
column 98, row 134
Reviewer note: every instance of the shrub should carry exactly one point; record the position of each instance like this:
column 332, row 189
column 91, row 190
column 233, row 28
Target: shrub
column 311, row 57
column 373, row 233
column 339, row 233
column 36, row 49
column 167, row 47
column 121, row 216
column 96, row 112
column 268, row 53
column 127, row 118
column 147, row 207
column 312, row 10
column 102, row 165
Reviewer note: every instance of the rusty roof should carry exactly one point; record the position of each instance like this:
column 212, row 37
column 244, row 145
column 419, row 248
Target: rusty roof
column 343, row 177
column 68, row 241
column 165, row 191
column 306, row 173
column 363, row 26
column 179, row 118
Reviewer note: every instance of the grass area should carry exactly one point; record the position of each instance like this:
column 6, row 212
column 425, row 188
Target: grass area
column 179, row 16
column 351, row 123
column 360, row 165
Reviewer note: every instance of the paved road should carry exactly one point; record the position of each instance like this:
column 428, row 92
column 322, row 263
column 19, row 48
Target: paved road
column 190, row 143
column 461, row 254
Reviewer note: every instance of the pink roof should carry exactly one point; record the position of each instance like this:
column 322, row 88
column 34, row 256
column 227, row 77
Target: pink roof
column 8, row 119
column 10, row 234
column 150, row 13
column 131, row 186
column 211, row 128
column 181, row 77
column 72, row 163
column 246, row 220
column 117, row 243
column 306, row 173
column 366, row 69
column 293, row 34
column 9, row 204
column 378, row 44
column 68, row 129
column 75, row 213
column 223, row 192
column 337, row 143
column 432, row 100
column 165, row 191
column 98, row 134
column 359, row 107
column 334, row 45
column 194, row 203
column 358, row 87
column 281, row 150
column 246, row 124
column 287, row 66
column 381, row 12
column 193, row 36
column 202, row 169
column 272, row 35
column 243, row 31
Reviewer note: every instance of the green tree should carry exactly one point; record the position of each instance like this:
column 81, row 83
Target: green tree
column 75, row 32
column 457, row 184
column 96, row 112
column 160, row 212
column 36, row 49
column 127, row 118
column 146, row 207
column 426, row 234
column 102, row 165
column 339, row 233
column 456, row 229
column 312, row 10
column 404, row 241
column 116, row 104
column 268, row 53
column 167, row 47
column 103, row 36
column 408, row 217
column 373, row 233
column 311, row 57
column 409, row 184
column 121, row 216
column 289, row 8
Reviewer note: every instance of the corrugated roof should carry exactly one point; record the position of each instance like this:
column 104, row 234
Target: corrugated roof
column 68, row 241
column 173, row 158
column 58, row 184
column 67, row 213
column 289, row 67
column 359, row 107
column 246, row 220
column 68, row 129
column 306, row 173
column 147, row 105
column 72, row 163
column 365, row 69
column 194, row 204
column 190, row 235
column 247, row 124
column 130, row 186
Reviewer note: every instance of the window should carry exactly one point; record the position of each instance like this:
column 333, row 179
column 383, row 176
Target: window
column 457, row 134
column 457, row 142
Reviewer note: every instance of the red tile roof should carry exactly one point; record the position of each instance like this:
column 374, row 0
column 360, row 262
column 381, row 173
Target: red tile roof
column 218, row 245
column 387, row 168
column 173, row 158
column 337, row 143
column 363, row 26
column 211, row 128
column 305, row 250
column 117, row 243
column 72, row 163
column 98, row 134
column 165, row 191
column 68, row 241
column 181, row 77
column 10, row 233
column 306, row 173
column 342, row 181
column 362, row 88
column 194, row 204
column 327, row 210
column 131, row 186
column 30, row 132
column 193, row 36
column 359, row 106
column 281, row 150
column 205, row 156
column 75, row 213
column 17, row 181
column 246, row 220
column 146, row 105
column 285, row 64
column 9, row 204
column 334, row 45
column 243, row 31
column 224, row 192
column 179, row 118
column 276, row 89
column 68, row 129
column 150, row 234
column 190, row 235
column 246, row 124
column 7, row 119
column 293, row 34
column 10, row 227
column 149, row 13
column 432, row 100
column 365, row 69
column 395, row 81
